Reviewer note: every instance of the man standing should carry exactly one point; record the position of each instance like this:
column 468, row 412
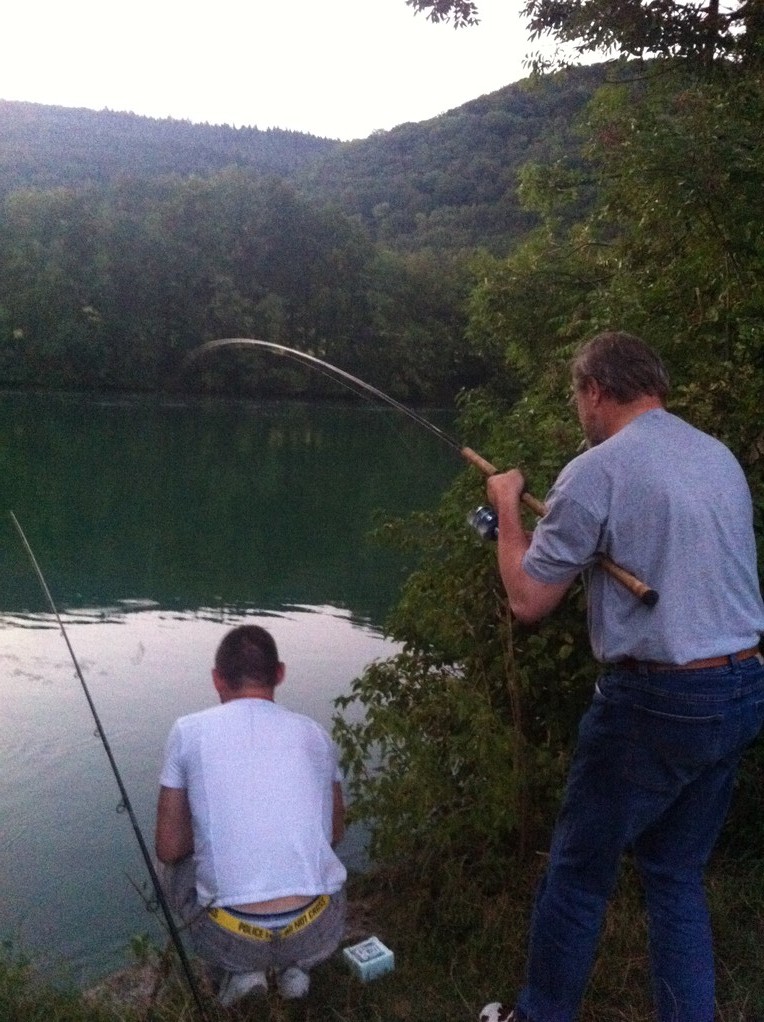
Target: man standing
column 681, row 693
column 250, row 808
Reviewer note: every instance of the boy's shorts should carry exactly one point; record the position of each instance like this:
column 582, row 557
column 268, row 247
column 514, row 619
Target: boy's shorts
column 294, row 939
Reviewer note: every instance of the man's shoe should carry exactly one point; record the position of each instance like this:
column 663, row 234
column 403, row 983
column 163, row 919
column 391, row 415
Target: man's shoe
column 237, row 985
column 293, row 983
column 496, row 1012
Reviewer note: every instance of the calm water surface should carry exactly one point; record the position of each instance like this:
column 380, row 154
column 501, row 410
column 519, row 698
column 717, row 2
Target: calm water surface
column 160, row 525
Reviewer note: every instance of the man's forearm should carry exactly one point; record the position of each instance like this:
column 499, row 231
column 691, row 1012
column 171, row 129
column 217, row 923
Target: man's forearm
column 512, row 543
column 529, row 599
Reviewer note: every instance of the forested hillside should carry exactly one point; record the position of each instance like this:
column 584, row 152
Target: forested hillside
column 450, row 183
column 109, row 286
column 125, row 241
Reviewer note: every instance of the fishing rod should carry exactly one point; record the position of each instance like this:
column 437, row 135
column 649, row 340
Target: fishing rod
column 125, row 804
column 643, row 592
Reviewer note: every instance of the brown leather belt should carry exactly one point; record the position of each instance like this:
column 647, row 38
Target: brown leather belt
column 630, row 664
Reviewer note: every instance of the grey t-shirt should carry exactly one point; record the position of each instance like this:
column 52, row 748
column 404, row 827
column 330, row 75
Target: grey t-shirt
column 670, row 504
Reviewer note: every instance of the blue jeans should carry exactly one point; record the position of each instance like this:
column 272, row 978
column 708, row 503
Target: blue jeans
column 653, row 772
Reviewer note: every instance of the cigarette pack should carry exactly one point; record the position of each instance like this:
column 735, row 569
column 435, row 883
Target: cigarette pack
column 369, row 959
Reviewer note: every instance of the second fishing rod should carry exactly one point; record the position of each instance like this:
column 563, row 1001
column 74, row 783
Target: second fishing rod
column 125, row 804
column 483, row 519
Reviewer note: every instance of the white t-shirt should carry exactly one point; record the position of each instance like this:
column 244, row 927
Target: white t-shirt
column 260, row 781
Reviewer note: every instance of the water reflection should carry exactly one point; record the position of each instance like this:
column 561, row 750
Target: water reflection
column 236, row 504
column 69, row 864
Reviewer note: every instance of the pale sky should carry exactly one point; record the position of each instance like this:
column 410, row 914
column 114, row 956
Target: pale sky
column 337, row 68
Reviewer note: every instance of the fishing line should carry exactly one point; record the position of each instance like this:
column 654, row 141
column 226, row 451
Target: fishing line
column 643, row 592
column 346, row 379
column 125, row 805
column 359, row 386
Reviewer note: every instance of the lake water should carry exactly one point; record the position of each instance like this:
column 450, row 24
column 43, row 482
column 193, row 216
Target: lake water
column 159, row 525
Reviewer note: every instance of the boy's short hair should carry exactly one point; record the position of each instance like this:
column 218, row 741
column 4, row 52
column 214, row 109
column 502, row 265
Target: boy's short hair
column 248, row 653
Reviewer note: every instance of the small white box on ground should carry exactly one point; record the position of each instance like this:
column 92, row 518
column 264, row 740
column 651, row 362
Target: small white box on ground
column 369, row 959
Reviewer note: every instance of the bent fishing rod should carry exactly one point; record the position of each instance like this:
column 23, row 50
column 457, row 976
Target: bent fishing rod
column 643, row 592
column 125, row 804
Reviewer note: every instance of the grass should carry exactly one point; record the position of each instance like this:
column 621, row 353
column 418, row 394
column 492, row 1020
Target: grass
column 456, row 948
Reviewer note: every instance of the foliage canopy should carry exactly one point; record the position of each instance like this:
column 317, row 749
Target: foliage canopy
column 461, row 12
column 702, row 30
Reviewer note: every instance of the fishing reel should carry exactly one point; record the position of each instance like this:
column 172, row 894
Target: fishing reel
column 485, row 522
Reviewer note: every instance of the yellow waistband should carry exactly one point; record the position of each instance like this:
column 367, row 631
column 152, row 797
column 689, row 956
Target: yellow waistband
column 243, row 928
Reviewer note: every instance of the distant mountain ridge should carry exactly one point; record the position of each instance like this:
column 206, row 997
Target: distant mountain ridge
column 52, row 146
column 446, row 184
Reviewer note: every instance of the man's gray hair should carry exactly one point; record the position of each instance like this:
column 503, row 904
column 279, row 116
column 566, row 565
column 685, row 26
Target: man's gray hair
column 624, row 366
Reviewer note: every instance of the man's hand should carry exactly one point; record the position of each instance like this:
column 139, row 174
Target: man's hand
column 505, row 488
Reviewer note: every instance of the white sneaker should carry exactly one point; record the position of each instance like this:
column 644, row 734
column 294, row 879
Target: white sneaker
column 236, row 985
column 293, row 983
column 497, row 1012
